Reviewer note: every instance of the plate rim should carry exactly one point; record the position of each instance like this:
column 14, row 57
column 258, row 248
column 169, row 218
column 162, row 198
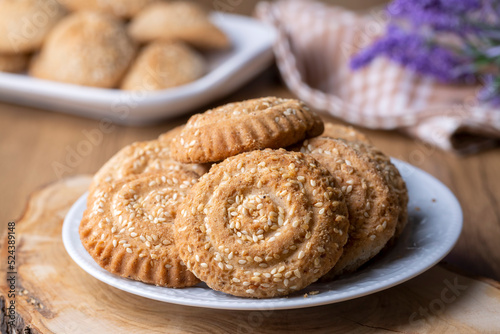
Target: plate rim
column 285, row 303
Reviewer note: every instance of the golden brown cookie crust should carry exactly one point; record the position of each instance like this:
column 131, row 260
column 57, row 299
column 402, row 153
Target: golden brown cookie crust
column 348, row 133
column 85, row 48
column 26, row 23
column 393, row 179
column 268, row 122
column 262, row 224
column 163, row 65
column 128, row 228
column 372, row 204
column 13, row 63
column 177, row 21
column 142, row 158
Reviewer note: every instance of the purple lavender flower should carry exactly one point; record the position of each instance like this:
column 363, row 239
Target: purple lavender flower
column 441, row 15
column 414, row 52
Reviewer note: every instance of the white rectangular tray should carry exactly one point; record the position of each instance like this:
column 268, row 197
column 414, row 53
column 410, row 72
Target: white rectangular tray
column 251, row 52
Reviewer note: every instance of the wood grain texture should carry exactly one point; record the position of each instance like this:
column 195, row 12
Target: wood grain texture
column 56, row 296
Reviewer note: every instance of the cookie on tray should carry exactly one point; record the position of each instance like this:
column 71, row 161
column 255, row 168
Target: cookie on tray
column 348, row 133
column 177, row 21
column 24, row 24
column 268, row 122
column 13, row 63
column 262, row 224
column 373, row 204
column 119, row 8
column 128, row 228
column 85, row 48
column 162, row 65
column 142, row 158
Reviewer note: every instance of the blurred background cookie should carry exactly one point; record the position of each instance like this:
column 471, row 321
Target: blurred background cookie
column 120, row 8
column 163, row 65
column 184, row 21
column 86, row 48
column 24, row 24
column 13, row 63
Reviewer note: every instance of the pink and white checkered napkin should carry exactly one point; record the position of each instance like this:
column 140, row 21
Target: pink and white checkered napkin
column 315, row 43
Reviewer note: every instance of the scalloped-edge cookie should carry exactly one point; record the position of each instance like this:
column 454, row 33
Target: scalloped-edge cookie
column 127, row 228
column 267, row 122
column 141, row 158
column 373, row 205
column 119, row 8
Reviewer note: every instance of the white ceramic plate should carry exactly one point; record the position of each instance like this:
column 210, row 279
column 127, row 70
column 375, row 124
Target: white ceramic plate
column 430, row 234
column 228, row 70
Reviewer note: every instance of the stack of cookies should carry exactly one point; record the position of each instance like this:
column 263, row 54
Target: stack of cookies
column 257, row 199
column 140, row 45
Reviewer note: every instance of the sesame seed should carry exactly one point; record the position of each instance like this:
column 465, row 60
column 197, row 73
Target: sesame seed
column 129, row 250
column 301, row 255
column 250, row 291
column 242, row 261
column 204, row 265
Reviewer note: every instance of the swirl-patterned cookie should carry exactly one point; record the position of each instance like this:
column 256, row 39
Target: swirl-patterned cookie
column 128, row 228
column 373, row 205
column 347, row 133
column 142, row 158
column 262, row 224
column 234, row 128
column 183, row 21
column 162, row 65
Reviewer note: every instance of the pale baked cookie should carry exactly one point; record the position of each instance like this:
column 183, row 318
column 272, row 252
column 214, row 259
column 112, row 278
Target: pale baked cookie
column 344, row 132
column 262, row 224
column 24, row 24
column 120, row 8
column 268, row 122
column 162, row 65
column 85, row 48
column 141, row 158
column 372, row 203
column 13, row 63
column 128, row 228
column 179, row 20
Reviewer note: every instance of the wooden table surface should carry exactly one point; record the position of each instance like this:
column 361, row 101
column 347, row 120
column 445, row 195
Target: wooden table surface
column 39, row 147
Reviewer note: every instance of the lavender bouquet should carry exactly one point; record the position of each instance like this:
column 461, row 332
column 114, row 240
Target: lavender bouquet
column 454, row 41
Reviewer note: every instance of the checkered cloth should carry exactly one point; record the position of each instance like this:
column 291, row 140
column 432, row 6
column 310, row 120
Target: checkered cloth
column 315, row 43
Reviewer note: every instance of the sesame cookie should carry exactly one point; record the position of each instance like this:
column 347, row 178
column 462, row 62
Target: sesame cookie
column 177, row 21
column 162, row 65
column 262, row 224
column 24, row 24
column 13, row 63
column 141, row 158
column 128, row 228
column 85, row 48
column 372, row 204
column 120, row 8
column 268, row 122
column 393, row 179
column 344, row 132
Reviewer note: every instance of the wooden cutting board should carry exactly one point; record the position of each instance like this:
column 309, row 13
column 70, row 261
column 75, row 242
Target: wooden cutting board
column 53, row 295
